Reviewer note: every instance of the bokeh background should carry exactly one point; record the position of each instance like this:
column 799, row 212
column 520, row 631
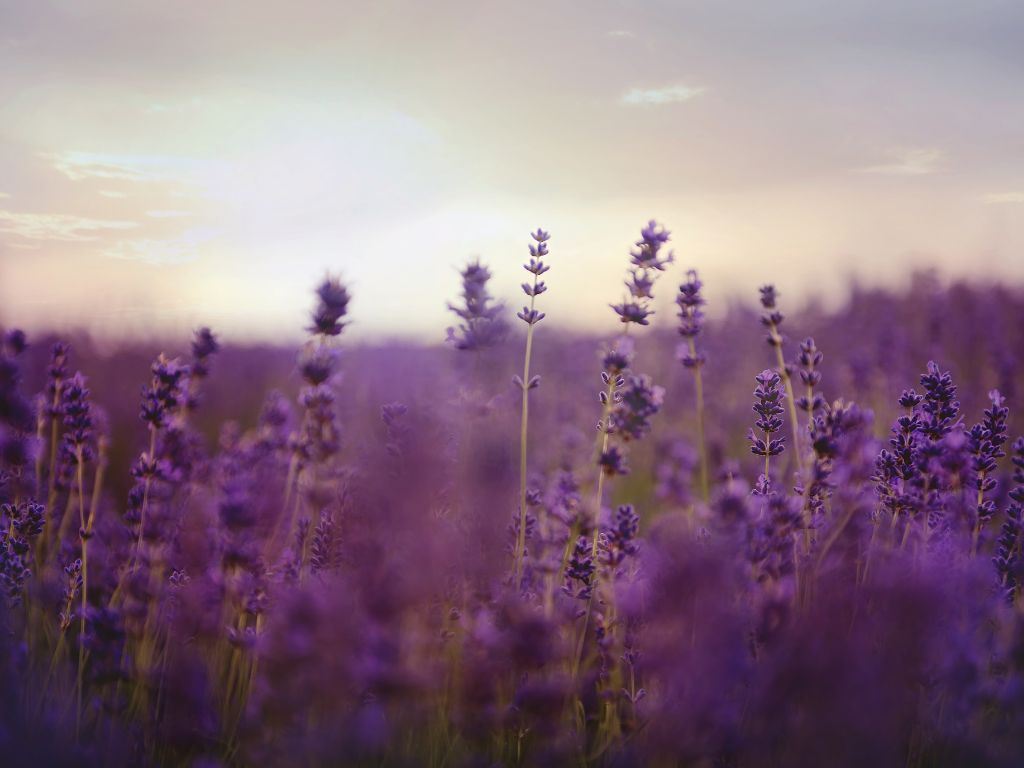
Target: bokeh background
column 169, row 165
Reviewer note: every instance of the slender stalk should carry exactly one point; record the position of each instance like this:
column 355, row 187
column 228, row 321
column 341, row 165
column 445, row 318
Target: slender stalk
column 790, row 398
column 84, row 535
column 606, row 412
column 705, row 487
column 523, row 425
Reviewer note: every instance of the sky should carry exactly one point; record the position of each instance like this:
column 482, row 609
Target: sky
column 168, row 165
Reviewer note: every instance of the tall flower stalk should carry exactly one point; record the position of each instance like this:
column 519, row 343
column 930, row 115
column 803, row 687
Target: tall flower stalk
column 78, row 438
column 691, row 323
column 530, row 316
column 317, row 439
column 627, row 402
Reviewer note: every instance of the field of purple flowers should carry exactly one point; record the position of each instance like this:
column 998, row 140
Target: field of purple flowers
column 773, row 550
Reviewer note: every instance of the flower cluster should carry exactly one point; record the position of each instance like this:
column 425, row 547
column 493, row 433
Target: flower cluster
column 535, row 267
column 166, row 392
column 331, row 308
column 986, row 440
column 637, row 399
column 808, row 360
column 691, row 319
column 647, row 262
column 482, row 326
column 768, row 410
column 771, row 318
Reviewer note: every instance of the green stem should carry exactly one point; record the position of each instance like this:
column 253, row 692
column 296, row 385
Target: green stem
column 705, row 487
column 84, row 535
column 790, row 399
column 525, row 384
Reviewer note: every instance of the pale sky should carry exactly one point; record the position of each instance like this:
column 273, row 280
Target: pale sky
column 165, row 165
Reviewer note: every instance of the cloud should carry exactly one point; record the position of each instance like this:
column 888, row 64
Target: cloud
column 909, row 161
column 621, row 33
column 670, row 94
column 93, row 165
column 58, row 226
column 112, row 193
column 998, row 198
column 5, row 195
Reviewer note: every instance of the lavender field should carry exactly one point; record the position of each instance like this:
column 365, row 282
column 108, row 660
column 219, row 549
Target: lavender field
column 794, row 537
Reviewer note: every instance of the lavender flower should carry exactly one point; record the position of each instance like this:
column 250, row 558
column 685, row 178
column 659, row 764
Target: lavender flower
column 768, row 411
column 531, row 317
column 986, row 440
column 646, row 257
column 579, row 576
column 808, row 360
column 166, row 392
column 619, row 542
column 204, row 346
column 637, row 400
column 940, row 407
column 1009, row 557
column 691, row 319
column 691, row 323
column 331, row 308
column 78, row 422
column 482, row 326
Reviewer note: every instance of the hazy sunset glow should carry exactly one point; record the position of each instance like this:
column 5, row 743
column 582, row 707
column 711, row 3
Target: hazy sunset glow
column 163, row 166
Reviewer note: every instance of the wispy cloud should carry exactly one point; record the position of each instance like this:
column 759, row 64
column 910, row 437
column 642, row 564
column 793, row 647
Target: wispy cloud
column 620, row 33
column 58, row 226
column 5, row 195
column 669, row 94
column 908, row 161
column 112, row 193
column 93, row 165
column 999, row 198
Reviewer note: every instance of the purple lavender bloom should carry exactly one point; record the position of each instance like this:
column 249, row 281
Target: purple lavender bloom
column 985, row 444
column 633, row 312
column 1008, row 559
column 618, row 357
column 482, row 326
column 940, row 407
column 768, row 410
column 691, row 319
column 17, row 419
column 78, row 421
column 56, row 372
column 771, row 318
column 619, row 541
column 165, row 395
column 20, row 525
column 204, row 346
column 613, row 462
column 638, row 400
column 15, row 342
column 579, row 574
column 648, row 248
column 646, row 258
column 808, row 360
column 316, row 363
column 332, row 307
column 535, row 267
